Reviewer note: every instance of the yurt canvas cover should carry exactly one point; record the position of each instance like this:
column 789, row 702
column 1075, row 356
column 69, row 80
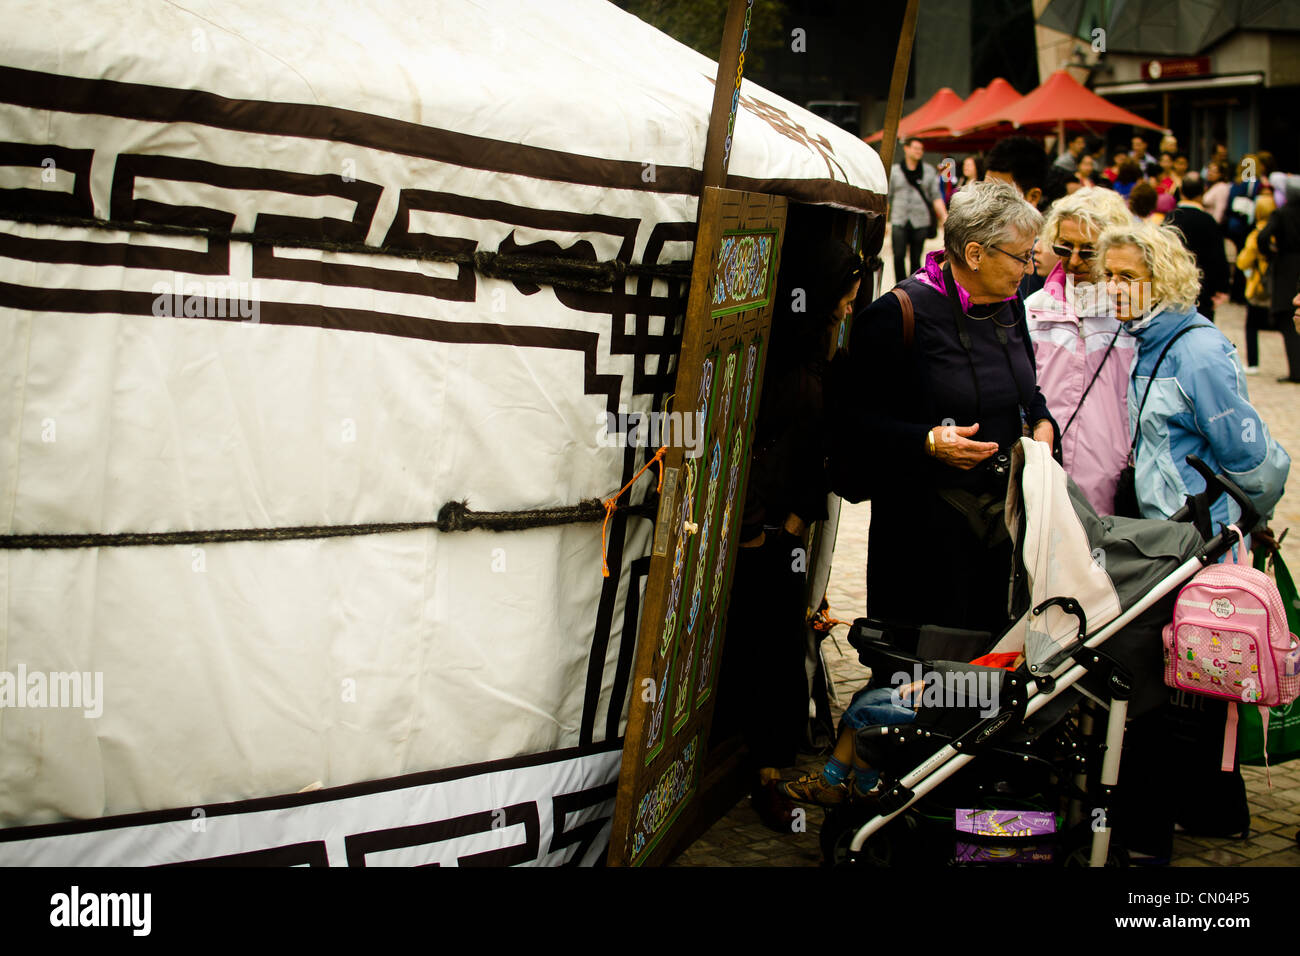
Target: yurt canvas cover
column 256, row 273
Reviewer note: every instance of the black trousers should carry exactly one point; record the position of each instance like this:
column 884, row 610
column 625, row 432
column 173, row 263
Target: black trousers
column 1257, row 320
column 1286, row 322
column 926, row 566
column 908, row 242
column 1171, row 773
column 763, row 688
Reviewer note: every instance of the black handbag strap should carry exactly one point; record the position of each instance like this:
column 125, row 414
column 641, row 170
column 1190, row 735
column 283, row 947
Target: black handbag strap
column 1095, row 375
column 1137, row 426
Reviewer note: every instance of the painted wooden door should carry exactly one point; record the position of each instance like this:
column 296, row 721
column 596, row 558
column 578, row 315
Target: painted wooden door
column 679, row 643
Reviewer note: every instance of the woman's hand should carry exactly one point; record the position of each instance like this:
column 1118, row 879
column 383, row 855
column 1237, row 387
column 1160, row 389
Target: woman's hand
column 1262, row 541
column 1045, row 433
column 953, row 446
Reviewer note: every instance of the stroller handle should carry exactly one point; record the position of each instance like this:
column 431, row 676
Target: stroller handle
column 1216, row 485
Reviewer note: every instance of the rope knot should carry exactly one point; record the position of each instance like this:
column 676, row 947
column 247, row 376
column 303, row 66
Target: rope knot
column 611, row 505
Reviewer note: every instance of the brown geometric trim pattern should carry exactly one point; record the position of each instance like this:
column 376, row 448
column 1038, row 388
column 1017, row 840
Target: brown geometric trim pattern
column 75, row 161
column 312, row 853
column 332, row 317
column 638, row 571
column 426, row 200
column 289, row 800
column 139, row 101
column 359, row 845
column 125, row 208
column 215, row 260
column 129, row 166
column 267, row 265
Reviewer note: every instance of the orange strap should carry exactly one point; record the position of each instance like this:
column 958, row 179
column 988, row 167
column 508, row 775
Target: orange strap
column 611, row 505
column 821, row 622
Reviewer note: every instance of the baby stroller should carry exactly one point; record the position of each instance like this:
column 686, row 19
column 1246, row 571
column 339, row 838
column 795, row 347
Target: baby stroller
column 1090, row 596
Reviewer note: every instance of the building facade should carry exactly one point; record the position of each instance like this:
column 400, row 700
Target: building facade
column 1220, row 72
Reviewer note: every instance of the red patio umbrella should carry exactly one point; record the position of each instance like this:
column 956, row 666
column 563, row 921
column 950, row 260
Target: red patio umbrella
column 938, row 128
column 1062, row 103
column 997, row 97
column 936, row 107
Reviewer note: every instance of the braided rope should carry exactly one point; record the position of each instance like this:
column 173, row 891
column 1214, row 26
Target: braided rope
column 454, row 516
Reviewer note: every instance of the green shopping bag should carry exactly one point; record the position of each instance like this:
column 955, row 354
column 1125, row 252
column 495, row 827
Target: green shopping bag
column 1283, row 722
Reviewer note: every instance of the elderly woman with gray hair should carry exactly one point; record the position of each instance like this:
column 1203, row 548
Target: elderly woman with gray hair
column 942, row 384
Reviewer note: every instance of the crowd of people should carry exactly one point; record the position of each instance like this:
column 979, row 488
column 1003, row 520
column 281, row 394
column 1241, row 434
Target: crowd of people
column 1216, row 210
column 1060, row 309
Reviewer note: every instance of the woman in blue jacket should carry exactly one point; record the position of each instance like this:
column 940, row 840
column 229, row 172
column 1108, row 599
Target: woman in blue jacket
column 1188, row 394
column 1197, row 405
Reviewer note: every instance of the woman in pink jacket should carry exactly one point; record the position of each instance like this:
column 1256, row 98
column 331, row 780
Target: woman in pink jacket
column 1083, row 361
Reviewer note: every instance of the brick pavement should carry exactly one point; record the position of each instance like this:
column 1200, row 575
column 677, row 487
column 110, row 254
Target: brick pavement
column 740, row 839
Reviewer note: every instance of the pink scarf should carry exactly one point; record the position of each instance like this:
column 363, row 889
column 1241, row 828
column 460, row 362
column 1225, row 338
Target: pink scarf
column 932, row 275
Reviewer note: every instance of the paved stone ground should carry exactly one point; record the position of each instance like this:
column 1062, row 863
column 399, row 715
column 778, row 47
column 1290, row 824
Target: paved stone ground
column 740, row 839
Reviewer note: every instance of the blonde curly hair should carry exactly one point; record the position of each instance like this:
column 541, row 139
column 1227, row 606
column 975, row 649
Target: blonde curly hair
column 1175, row 280
column 1093, row 208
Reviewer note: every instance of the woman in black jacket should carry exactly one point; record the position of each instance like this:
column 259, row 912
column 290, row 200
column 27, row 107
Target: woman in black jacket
column 786, row 493
column 936, row 417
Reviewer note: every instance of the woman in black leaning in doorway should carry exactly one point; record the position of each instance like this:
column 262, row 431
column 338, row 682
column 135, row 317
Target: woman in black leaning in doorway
column 763, row 690
column 935, row 419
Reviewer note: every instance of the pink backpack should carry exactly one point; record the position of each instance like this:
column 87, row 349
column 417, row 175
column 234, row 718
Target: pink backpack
column 1229, row 639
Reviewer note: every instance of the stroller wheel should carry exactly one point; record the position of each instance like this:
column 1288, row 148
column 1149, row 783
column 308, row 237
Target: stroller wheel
column 882, row 849
column 1080, row 856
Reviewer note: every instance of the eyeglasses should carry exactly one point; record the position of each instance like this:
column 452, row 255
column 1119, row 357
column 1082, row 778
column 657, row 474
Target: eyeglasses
column 1064, row 251
column 1026, row 261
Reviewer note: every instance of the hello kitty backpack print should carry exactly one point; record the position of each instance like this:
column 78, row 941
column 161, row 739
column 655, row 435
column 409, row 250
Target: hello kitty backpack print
column 1229, row 639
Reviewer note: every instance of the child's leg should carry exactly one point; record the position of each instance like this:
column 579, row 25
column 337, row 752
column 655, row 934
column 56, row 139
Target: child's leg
column 864, row 778
column 879, row 707
column 868, row 707
column 837, row 767
column 830, row 787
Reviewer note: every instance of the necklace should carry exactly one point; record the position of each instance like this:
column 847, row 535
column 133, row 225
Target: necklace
column 993, row 315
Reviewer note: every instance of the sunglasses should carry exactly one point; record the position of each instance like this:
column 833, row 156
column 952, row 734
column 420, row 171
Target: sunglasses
column 1064, row 252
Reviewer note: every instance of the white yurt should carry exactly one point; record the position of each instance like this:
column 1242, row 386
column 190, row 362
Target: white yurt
column 311, row 321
